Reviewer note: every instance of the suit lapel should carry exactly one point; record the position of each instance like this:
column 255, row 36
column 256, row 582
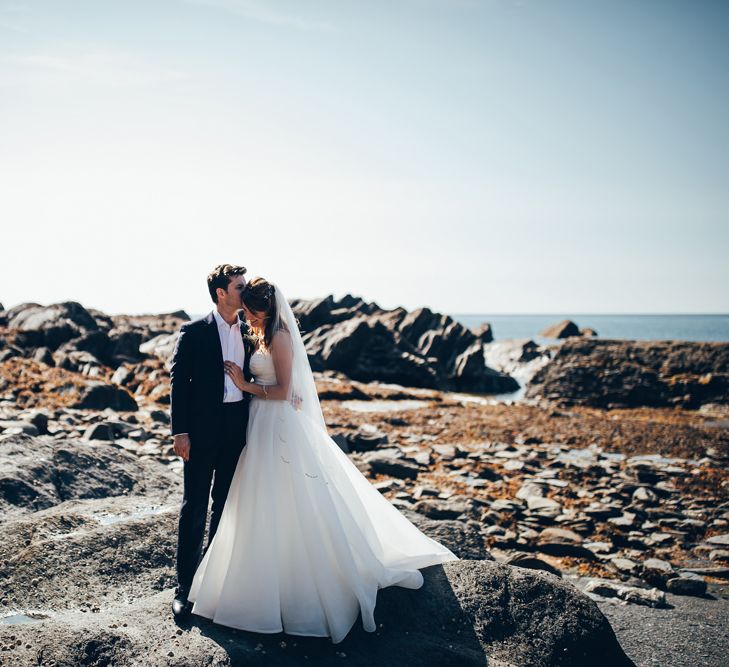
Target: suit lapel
column 214, row 337
column 247, row 348
column 216, row 350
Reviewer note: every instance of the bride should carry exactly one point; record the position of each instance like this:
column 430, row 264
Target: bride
column 304, row 541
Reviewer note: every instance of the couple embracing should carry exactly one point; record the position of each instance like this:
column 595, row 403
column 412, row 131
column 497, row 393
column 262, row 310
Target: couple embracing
column 299, row 541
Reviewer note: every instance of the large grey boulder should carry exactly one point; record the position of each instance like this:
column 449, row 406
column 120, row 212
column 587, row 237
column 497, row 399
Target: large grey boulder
column 39, row 472
column 99, row 396
column 625, row 373
column 50, row 326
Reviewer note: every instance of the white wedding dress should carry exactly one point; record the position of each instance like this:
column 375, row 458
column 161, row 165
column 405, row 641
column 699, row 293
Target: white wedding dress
column 304, row 541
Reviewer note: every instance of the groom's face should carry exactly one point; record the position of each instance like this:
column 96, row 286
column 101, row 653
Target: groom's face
column 231, row 298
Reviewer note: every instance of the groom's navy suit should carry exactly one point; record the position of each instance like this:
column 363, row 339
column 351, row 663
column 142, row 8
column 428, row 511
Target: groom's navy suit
column 217, row 433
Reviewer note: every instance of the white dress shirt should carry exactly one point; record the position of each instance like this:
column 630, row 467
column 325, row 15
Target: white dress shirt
column 231, row 344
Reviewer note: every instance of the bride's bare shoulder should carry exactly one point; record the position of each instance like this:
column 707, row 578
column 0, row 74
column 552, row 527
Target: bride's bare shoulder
column 282, row 335
column 281, row 341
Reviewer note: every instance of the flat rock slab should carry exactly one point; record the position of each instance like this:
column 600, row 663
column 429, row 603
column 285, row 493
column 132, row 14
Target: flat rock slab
column 87, row 553
column 39, row 472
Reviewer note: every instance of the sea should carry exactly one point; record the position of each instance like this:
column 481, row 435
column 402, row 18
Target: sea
column 631, row 327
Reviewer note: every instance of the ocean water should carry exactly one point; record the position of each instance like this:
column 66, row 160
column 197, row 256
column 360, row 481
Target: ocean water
column 635, row 327
column 632, row 327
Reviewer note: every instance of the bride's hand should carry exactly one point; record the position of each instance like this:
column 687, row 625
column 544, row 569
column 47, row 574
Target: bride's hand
column 235, row 373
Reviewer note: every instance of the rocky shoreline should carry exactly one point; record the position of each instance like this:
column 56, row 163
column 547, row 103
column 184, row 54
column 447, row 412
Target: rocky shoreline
column 609, row 478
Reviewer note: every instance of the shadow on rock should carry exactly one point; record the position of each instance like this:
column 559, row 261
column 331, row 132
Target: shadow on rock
column 414, row 627
column 467, row 613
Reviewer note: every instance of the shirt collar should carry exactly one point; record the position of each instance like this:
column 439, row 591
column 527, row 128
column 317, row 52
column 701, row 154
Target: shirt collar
column 221, row 322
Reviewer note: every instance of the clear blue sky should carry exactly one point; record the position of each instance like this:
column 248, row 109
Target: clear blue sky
column 472, row 156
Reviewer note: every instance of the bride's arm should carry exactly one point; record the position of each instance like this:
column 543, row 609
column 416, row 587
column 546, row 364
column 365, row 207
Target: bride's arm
column 282, row 356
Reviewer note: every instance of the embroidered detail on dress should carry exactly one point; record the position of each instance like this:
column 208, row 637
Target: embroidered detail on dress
column 306, row 473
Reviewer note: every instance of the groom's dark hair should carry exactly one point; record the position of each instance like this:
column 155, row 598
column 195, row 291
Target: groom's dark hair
column 220, row 276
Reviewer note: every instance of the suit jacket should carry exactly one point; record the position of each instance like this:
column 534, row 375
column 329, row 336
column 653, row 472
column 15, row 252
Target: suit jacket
column 198, row 379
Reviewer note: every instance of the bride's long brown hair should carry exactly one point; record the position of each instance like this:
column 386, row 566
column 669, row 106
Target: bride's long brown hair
column 260, row 297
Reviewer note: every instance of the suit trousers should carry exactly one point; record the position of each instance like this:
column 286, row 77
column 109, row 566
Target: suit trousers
column 212, row 460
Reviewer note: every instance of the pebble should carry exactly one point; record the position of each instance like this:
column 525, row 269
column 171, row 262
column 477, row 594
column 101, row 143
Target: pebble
column 17, row 428
column 657, row 539
column 388, row 485
column 502, row 504
column 658, row 565
column 650, row 597
column 560, row 534
column 627, row 520
column 624, row 565
column 599, row 547
column 718, row 571
column 530, row 490
column 532, row 563
column 644, row 495
column 685, row 585
column 544, row 506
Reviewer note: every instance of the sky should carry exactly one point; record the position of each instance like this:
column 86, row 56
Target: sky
column 473, row 156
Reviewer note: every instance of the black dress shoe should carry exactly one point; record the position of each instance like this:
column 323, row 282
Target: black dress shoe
column 181, row 606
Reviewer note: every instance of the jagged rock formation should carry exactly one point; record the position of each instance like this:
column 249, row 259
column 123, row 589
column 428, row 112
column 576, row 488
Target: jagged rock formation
column 420, row 348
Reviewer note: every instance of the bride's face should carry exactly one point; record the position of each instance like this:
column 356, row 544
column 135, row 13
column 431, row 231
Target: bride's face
column 257, row 319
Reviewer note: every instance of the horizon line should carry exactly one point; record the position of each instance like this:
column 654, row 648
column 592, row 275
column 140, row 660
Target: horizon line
column 601, row 314
column 447, row 312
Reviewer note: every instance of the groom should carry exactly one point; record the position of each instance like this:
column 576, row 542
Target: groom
column 209, row 417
